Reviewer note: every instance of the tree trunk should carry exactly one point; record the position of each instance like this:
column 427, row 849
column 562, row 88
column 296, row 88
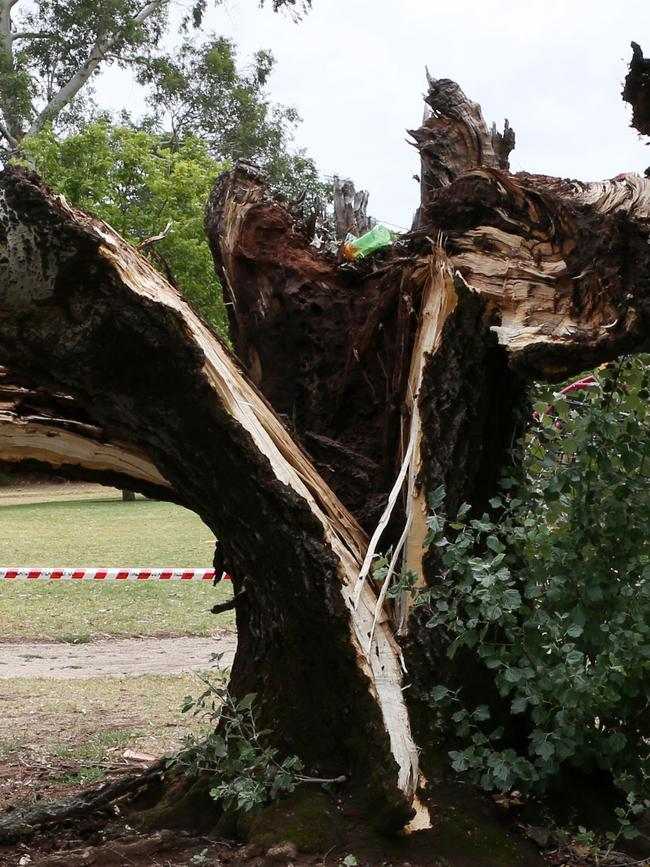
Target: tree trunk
column 350, row 210
column 418, row 358
column 393, row 375
column 150, row 376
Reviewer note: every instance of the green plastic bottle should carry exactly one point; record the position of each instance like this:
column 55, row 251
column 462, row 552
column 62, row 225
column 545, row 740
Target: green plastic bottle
column 358, row 248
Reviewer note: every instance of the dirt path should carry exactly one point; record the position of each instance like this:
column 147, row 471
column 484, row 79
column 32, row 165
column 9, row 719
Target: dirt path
column 47, row 492
column 115, row 657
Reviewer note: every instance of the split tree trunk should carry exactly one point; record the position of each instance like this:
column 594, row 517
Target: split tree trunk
column 90, row 318
column 394, row 375
column 418, row 358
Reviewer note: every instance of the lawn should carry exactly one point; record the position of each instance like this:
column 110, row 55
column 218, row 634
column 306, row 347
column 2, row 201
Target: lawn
column 104, row 531
column 57, row 734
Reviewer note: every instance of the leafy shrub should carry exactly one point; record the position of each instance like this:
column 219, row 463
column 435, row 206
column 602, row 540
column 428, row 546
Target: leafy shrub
column 552, row 592
column 245, row 770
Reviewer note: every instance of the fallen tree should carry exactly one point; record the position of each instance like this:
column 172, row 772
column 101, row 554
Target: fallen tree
column 364, row 387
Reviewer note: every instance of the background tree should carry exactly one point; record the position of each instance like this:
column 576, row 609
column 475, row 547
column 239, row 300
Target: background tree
column 140, row 176
column 142, row 185
column 51, row 49
column 200, row 90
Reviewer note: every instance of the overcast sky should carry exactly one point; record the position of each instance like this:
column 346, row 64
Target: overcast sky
column 354, row 69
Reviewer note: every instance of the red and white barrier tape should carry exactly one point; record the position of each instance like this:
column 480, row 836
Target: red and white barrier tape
column 97, row 574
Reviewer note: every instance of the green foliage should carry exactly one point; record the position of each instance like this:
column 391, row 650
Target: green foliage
column 137, row 182
column 52, row 41
column 68, row 29
column 246, row 771
column 200, row 90
column 51, row 49
column 552, row 592
column 601, row 847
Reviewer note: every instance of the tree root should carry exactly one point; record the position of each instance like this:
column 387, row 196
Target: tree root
column 24, row 822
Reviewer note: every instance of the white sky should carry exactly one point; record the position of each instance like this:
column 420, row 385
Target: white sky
column 354, row 69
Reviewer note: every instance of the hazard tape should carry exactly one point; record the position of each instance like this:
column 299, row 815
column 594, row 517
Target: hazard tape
column 96, row 574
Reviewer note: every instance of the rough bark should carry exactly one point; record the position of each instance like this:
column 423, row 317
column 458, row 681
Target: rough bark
column 84, row 315
column 637, row 90
column 520, row 275
column 350, row 209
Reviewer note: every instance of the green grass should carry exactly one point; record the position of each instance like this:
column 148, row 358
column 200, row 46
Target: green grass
column 106, row 532
column 95, row 747
column 83, row 777
column 103, row 532
column 66, row 730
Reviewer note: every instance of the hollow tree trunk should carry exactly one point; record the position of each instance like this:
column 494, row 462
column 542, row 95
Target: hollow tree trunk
column 394, row 375
column 418, row 358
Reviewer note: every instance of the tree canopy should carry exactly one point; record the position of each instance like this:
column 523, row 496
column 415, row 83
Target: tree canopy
column 136, row 181
column 199, row 89
column 51, row 49
column 203, row 109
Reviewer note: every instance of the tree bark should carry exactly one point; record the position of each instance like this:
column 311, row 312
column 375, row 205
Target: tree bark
column 430, row 344
column 637, row 90
column 90, row 318
column 394, row 375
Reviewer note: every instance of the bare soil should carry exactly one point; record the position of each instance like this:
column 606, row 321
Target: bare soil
column 115, row 657
column 47, row 491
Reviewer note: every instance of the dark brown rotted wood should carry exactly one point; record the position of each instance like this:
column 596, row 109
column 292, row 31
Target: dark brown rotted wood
column 328, row 346
column 637, row 90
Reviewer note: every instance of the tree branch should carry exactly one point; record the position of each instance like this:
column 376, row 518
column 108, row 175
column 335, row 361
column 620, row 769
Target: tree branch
column 11, row 141
column 6, row 49
column 23, row 822
column 164, row 383
column 74, row 84
column 48, row 430
column 30, row 34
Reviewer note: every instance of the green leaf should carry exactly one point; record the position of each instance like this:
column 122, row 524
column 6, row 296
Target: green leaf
column 518, row 705
column 481, row 713
column 436, row 498
column 493, row 612
column 246, row 701
column 439, row 693
column 575, row 631
column 546, row 750
column 511, row 599
column 494, row 544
